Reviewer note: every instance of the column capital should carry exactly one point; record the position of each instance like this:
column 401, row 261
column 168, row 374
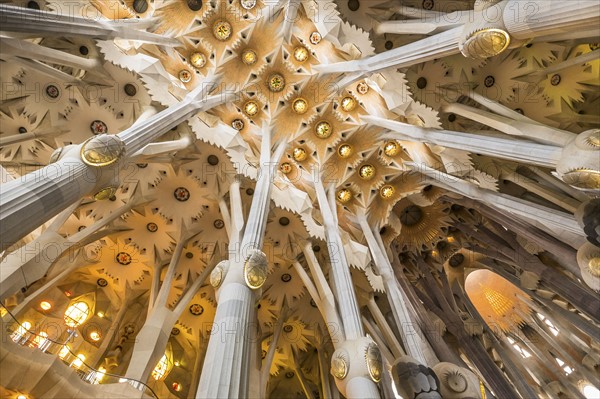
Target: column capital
column 357, row 358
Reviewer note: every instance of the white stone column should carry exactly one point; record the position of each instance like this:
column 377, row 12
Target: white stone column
column 432, row 47
column 557, row 222
column 400, row 311
column 30, row 262
column 552, row 20
column 29, row 201
column 34, row 198
column 493, row 145
column 154, row 335
column 340, row 270
column 358, row 356
column 40, row 23
column 226, row 369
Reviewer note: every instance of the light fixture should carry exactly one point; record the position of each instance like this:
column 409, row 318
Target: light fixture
column 198, row 60
column 76, row 314
column 45, row 305
column 249, row 57
column 366, row 172
column 300, row 54
column 251, row 108
column 285, row 168
column 248, row 4
column 362, row 88
column 387, row 191
column 315, row 38
column 348, row 104
column 95, row 336
column 276, row 82
column 222, row 30
column 344, row 195
column 345, row 150
column 100, row 314
column 391, row 148
column 78, row 362
column 64, row 351
column 323, row 130
column 300, row 106
column 185, row 76
column 300, row 154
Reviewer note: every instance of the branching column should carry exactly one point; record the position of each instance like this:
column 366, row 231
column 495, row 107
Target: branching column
column 357, row 362
column 227, row 364
column 394, row 294
column 88, row 168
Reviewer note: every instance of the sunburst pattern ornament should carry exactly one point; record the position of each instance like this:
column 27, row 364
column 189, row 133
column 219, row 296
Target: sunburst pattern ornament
column 300, row 53
column 344, row 195
column 222, row 30
column 345, row 150
column 198, row 60
column 367, row 172
column 300, row 106
column 249, row 57
column 255, row 269
column 374, row 361
column 422, row 227
column 340, row 364
column 251, row 108
column 300, row 154
column 348, row 104
column 323, row 130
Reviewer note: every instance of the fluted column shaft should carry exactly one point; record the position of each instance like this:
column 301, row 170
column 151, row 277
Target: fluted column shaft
column 226, row 364
column 358, row 384
column 44, row 24
column 394, row 294
column 27, row 202
column 34, row 198
column 526, row 19
column 493, row 145
column 226, row 369
column 340, row 271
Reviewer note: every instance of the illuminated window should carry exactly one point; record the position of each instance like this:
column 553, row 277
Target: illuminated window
column 45, row 305
column 591, row 392
column 519, row 348
column 40, row 339
column 64, row 351
column 163, row 368
column 76, row 314
column 568, row 370
column 551, row 326
column 21, row 331
column 97, row 376
column 78, row 362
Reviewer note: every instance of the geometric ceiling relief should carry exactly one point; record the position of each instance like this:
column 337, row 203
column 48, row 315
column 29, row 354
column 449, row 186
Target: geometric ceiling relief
column 282, row 199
